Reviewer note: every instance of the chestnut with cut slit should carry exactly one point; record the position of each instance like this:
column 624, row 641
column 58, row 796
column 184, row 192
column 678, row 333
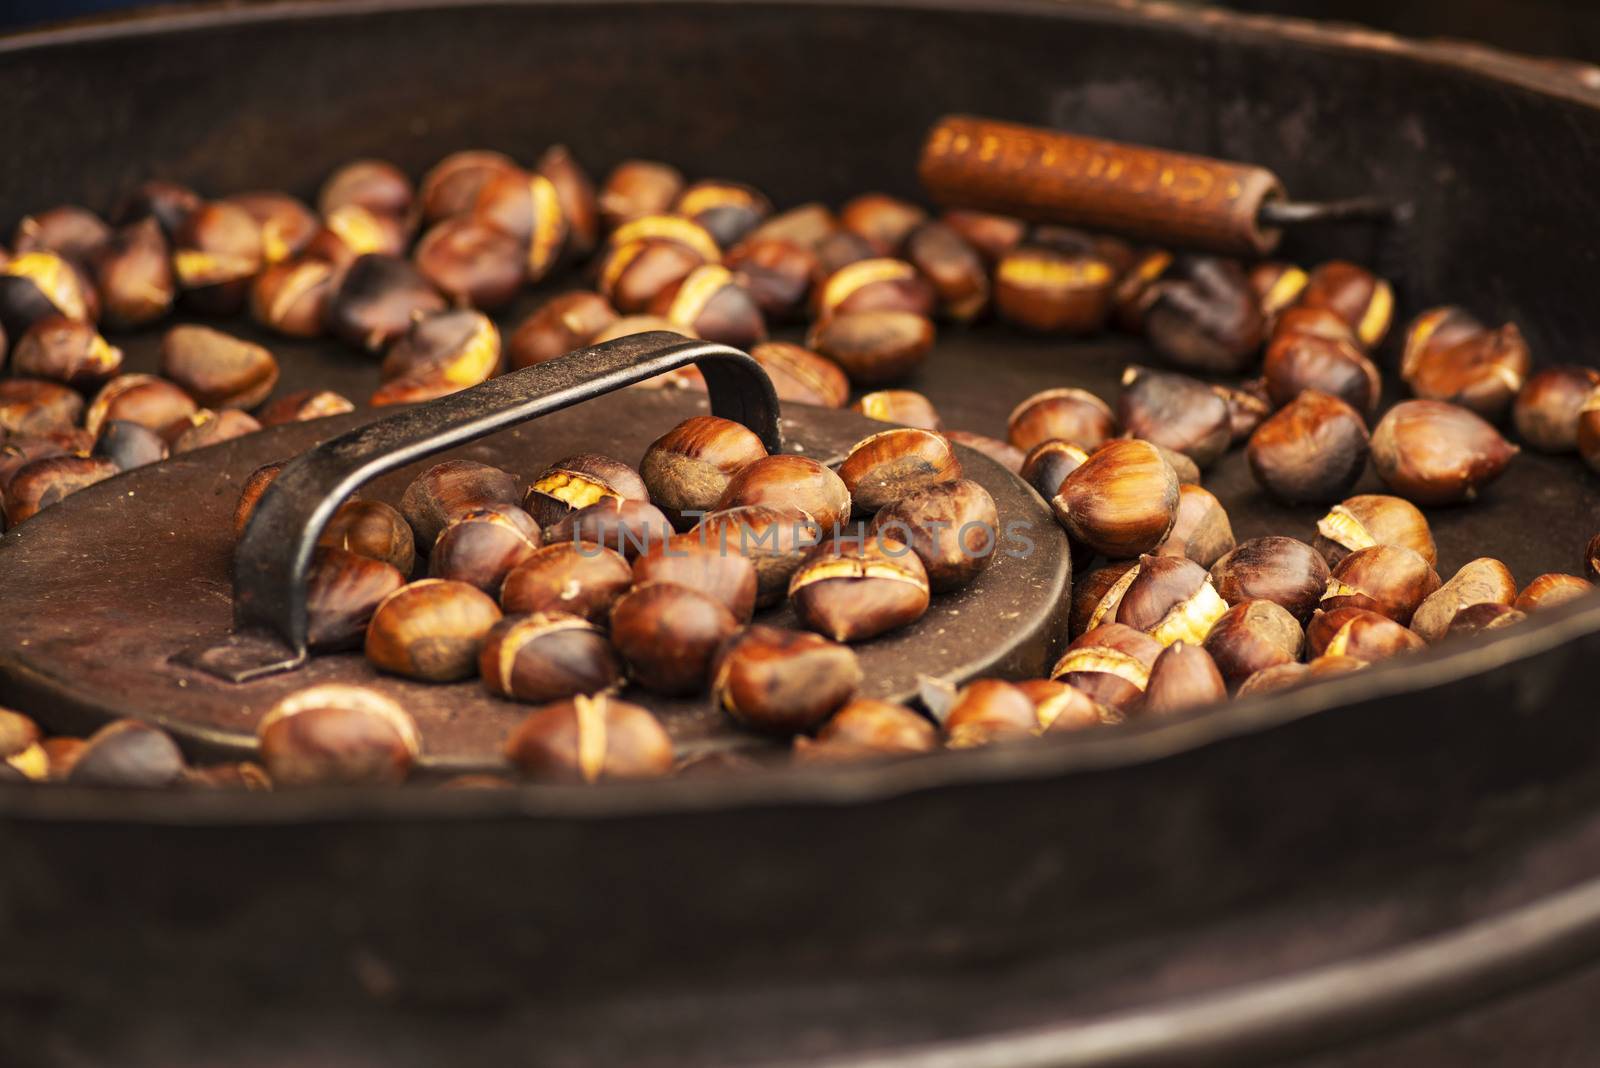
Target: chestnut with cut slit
column 782, row 681
column 588, row 739
column 856, row 588
column 547, row 657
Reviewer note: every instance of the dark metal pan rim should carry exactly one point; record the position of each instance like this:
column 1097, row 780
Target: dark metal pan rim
column 1471, row 57
column 845, row 785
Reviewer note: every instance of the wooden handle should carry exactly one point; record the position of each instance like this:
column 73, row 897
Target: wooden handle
column 1145, row 193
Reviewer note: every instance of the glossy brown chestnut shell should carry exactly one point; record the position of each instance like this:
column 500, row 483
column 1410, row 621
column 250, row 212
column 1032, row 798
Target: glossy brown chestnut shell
column 430, row 630
column 579, row 481
column 1481, row 581
column 789, row 481
column 1370, row 519
column 874, row 347
column 695, row 561
column 1050, row 290
column 547, row 657
column 1287, row 572
column 1312, row 450
column 798, row 374
column 1172, row 599
column 782, row 681
column 1201, row 532
column 668, row 635
column 906, row 407
column 1546, row 411
column 1356, row 295
column 1296, row 362
column 1175, row 411
column 1388, row 579
column 1183, row 677
column 217, row 369
column 986, row 711
column 954, row 529
column 577, row 579
column 1111, row 663
column 1203, row 316
column 343, row 590
column 891, row 464
column 482, row 546
column 1435, row 453
column 1121, row 502
column 588, row 739
column 1550, row 590
column 687, row 469
column 337, row 735
column 1359, row 633
column 1251, row 637
column 561, row 324
column 450, row 489
column 857, row 588
column 775, row 539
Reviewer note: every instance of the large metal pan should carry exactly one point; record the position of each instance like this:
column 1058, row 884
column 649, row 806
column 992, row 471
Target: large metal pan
column 834, row 911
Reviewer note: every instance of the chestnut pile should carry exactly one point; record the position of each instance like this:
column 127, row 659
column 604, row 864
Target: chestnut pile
column 596, row 573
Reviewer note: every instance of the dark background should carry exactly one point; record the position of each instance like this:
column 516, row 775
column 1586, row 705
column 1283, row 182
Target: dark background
column 1541, row 27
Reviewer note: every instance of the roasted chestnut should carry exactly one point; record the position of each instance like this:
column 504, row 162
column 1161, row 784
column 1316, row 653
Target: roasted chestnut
column 1072, row 415
column 874, row 347
column 526, row 207
column 575, row 193
column 1251, row 637
column 450, row 489
column 1097, row 595
column 1315, row 322
column 38, row 484
column 1248, row 407
column 336, row 735
column 129, row 445
column 904, row 406
column 668, row 635
column 776, row 273
column 1546, row 410
column 1297, row 362
column 579, row 481
column 481, row 547
column 586, row 739
column 692, row 561
column 378, row 186
column 1048, row 464
column 1111, row 663
column 1313, row 449
column 215, row 253
column 19, row 746
column 292, row 297
column 992, row 235
column 250, row 495
column 1288, row 676
column 954, row 268
column 1435, row 453
column 877, row 727
column 134, row 274
column 561, row 324
column 878, row 284
column 1183, row 677
column 986, row 711
column 430, row 630
column 881, row 220
column 1121, row 502
column 807, row 226
column 372, row 529
column 632, row 528
column 1277, row 285
column 1388, row 579
column 542, row 658
column 239, row 775
column 687, row 469
column 378, row 299
column 1550, row 590
column 217, row 369
column 953, row 528
column 1435, row 330
column 32, row 406
column 343, row 590
column 638, row 187
column 1477, row 618
column 1482, row 373
column 127, row 753
column 884, row 467
column 1175, row 411
column 168, row 203
column 352, row 232
column 1171, row 599
column 573, row 578
column 782, row 681
column 837, row 251
column 67, row 230
column 1360, row 633
column 1287, row 572
column 1060, row 708
column 302, row 406
column 856, row 588
column 1201, row 532
column 36, row 285
column 710, row 302
column 206, row 428
column 1203, row 316
column 451, row 187
column 1374, row 519
column 1481, row 581
column 443, row 353
column 65, row 350
column 1359, row 297
column 649, row 254
column 287, row 225
column 775, row 539
column 1589, row 431
column 471, row 261
column 728, row 210
column 1053, row 291
column 789, row 481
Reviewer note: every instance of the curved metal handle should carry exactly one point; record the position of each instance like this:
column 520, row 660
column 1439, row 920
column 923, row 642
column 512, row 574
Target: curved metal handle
column 272, row 558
